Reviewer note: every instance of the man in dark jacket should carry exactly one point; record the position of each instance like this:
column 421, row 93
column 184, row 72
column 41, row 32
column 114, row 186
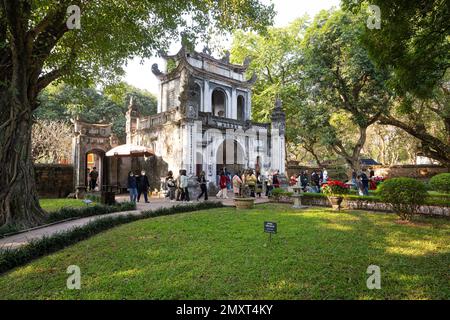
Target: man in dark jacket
column 202, row 181
column 315, row 181
column 142, row 186
column 365, row 182
column 93, row 175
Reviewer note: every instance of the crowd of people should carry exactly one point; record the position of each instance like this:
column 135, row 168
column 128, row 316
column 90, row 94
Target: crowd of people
column 237, row 183
column 245, row 183
column 361, row 181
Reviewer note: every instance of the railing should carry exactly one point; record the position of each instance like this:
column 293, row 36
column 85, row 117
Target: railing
column 156, row 120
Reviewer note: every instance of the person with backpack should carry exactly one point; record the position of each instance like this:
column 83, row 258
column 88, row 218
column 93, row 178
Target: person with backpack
column 171, row 186
column 184, row 182
column 202, row 181
column 250, row 180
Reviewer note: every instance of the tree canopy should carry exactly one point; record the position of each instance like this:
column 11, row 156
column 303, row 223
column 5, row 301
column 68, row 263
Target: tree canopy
column 413, row 41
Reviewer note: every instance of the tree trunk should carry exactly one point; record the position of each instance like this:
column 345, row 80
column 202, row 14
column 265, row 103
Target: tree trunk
column 19, row 204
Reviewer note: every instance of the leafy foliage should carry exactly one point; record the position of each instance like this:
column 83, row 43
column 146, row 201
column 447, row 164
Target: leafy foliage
column 405, row 195
column 440, row 182
column 413, row 41
column 64, row 102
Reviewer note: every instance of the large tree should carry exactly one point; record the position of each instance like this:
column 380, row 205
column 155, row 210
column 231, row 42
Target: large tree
column 276, row 59
column 340, row 78
column 413, row 41
column 37, row 48
column 413, row 45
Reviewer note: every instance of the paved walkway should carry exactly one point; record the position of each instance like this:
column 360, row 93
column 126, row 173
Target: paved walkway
column 24, row 238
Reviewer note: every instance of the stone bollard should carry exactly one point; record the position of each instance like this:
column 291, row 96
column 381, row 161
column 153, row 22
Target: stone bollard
column 297, row 196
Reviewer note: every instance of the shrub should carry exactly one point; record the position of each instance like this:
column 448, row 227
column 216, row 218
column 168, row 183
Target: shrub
column 440, row 182
column 405, row 195
column 278, row 193
column 66, row 213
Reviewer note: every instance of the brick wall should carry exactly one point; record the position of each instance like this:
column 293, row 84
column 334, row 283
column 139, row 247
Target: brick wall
column 54, row 180
column 423, row 172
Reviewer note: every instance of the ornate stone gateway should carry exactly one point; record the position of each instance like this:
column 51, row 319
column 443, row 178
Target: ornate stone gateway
column 89, row 145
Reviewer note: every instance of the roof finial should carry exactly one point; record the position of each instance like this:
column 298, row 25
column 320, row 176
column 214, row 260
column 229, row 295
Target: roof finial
column 278, row 103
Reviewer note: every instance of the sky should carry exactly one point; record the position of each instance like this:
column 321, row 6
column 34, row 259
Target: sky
column 140, row 75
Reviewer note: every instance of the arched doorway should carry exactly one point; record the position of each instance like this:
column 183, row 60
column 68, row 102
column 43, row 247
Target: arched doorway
column 218, row 103
column 230, row 155
column 95, row 159
column 240, row 108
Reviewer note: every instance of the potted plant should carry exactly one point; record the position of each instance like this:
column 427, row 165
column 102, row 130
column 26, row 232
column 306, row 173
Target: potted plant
column 335, row 190
column 244, row 201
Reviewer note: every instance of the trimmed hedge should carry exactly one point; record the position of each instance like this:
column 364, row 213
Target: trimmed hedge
column 278, row 193
column 88, row 211
column 12, row 258
column 405, row 195
column 69, row 213
column 440, row 182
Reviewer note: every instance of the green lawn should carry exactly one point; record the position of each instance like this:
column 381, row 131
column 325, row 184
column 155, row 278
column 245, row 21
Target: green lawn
column 224, row 254
column 56, row 204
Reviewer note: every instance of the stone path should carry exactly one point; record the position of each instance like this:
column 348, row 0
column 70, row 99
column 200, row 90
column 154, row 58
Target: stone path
column 23, row 238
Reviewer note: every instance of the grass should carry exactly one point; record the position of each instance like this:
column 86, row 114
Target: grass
column 224, row 254
column 50, row 205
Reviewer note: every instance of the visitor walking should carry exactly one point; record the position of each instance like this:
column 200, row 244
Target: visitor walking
column 359, row 185
column 132, row 186
column 142, row 186
column 259, row 185
column 184, row 182
column 178, row 187
column 237, row 184
column 354, row 180
column 315, row 181
column 250, row 180
column 171, row 185
column 365, row 182
column 325, row 175
column 304, row 180
column 269, row 184
column 276, row 179
column 204, row 191
column 223, row 186
column 93, row 175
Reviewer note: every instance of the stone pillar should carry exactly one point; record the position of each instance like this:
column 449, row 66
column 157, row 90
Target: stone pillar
column 278, row 140
column 248, row 109
column 188, row 139
column 206, row 98
column 233, row 104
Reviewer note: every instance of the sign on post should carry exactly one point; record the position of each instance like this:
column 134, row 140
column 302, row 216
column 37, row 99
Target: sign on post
column 270, row 227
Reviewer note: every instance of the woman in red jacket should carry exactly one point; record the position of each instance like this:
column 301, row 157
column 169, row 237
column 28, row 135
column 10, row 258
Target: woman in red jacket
column 223, row 186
